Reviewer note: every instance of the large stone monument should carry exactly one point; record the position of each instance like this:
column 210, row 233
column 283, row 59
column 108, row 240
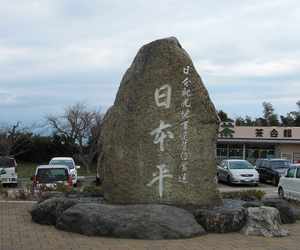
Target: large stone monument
column 159, row 137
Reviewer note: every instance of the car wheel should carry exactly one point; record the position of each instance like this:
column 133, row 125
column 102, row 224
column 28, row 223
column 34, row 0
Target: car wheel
column 281, row 193
column 261, row 180
column 229, row 180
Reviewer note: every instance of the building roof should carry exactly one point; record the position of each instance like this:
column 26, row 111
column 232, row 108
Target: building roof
column 278, row 135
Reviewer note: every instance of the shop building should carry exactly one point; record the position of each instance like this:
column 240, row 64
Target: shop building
column 251, row 143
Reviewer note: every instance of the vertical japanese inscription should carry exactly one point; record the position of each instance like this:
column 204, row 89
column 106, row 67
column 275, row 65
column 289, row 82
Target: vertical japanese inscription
column 162, row 98
column 185, row 114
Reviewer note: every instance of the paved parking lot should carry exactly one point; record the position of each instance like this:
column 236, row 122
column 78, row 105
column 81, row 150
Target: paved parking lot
column 87, row 180
column 18, row 232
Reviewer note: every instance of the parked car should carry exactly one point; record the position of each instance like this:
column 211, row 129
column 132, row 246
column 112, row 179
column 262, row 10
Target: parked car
column 47, row 176
column 237, row 172
column 289, row 185
column 70, row 163
column 8, row 171
column 270, row 170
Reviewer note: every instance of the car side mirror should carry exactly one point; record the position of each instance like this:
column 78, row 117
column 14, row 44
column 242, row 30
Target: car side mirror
column 2, row 172
column 77, row 167
column 225, row 167
column 32, row 178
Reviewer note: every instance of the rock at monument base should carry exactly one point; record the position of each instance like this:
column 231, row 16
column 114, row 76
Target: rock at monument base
column 263, row 221
column 47, row 211
column 287, row 214
column 159, row 137
column 252, row 204
column 230, row 217
column 130, row 221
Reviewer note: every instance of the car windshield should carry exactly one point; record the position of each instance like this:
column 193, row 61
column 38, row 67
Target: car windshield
column 240, row 165
column 7, row 162
column 280, row 164
column 50, row 175
column 67, row 163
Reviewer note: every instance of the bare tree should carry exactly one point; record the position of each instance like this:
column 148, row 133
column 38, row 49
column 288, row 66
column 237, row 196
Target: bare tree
column 14, row 140
column 81, row 128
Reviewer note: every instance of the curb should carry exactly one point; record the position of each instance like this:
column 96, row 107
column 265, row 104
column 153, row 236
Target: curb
column 12, row 201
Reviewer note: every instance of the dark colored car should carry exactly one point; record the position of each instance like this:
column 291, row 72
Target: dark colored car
column 47, row 176
column 270, row 170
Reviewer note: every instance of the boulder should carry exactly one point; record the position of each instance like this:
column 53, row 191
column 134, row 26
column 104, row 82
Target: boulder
column 47, row 211
column 287, row 214
column 263, row 221
column 159, row 136
column 130, row 221
column 252, row 204
column 230, row 217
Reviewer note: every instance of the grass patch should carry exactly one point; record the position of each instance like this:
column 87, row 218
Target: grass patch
column 26, row 169
column 82, row 171
column 246, row 195
column 93, row 189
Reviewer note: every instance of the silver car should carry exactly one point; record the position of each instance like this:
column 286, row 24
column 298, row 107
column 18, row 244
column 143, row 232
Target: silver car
column 237, row 172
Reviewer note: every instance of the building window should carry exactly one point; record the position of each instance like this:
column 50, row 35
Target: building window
column 287, row 133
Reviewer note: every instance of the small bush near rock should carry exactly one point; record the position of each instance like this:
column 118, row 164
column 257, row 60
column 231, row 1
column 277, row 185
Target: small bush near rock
column 63, row 188
column 247, row 195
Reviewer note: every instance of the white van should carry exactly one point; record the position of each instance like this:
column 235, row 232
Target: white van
column 289, row 185
column 70, row 163
column 8, row 171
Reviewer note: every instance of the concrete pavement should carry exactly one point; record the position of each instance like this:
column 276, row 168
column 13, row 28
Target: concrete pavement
column 18, row 232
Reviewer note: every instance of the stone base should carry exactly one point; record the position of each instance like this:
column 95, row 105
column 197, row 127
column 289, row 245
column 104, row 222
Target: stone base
column 230, row 217
column 263, row 221
column 90, row 216
column 120, row 221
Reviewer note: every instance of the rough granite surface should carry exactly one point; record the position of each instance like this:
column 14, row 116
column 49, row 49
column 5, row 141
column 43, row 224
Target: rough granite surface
column 159, row 137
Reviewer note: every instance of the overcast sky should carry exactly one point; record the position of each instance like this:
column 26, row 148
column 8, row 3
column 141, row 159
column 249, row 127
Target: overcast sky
column 54, row 53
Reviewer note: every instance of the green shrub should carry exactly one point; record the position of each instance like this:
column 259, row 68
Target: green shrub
column 63, row 188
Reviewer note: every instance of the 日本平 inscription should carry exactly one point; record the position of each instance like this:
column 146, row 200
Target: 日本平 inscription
column 160, row 134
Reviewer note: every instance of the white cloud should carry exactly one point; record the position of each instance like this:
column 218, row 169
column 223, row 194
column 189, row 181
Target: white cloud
column 251, row 69
column 61, row 42
column 7, row 99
